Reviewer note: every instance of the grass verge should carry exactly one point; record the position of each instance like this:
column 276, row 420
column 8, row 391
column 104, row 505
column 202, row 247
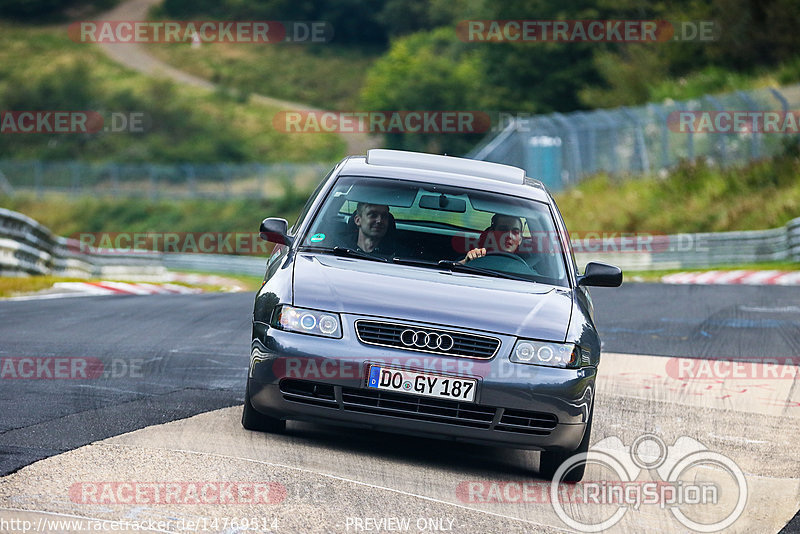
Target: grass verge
column 66, row 216
column 691, row 198
column 11, row 286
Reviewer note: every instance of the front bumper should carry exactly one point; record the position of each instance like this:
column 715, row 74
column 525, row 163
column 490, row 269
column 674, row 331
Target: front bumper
column 309, row 378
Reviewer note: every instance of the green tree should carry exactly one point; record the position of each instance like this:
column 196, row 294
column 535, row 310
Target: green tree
column 49, row 10
column 429, row 70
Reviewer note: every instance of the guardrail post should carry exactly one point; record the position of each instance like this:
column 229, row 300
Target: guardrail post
column 573, row 147
column 640, row 145
column 719, row 137
column 663, row 130
column 755, row 139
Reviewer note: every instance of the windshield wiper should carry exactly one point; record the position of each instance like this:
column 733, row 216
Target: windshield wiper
column 343, row 251
column 415, row 261
column 461, row 267
column 351, row 253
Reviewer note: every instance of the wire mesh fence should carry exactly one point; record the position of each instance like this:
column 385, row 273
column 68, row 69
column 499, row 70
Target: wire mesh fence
column 560, row 149
column 730, row 129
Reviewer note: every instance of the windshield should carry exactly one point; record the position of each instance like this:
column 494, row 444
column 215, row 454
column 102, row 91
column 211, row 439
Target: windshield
column 437, row 226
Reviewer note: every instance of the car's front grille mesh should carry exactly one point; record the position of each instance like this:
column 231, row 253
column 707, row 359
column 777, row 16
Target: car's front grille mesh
column 389, row 335
column 386, row 403
column 308, row 392
column 416, row 407
column 527, row 422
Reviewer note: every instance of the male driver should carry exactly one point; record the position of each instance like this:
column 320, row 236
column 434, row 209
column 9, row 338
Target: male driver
column 372, row 221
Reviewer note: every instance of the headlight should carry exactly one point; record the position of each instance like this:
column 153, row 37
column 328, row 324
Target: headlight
column 317, row 323
column 550, row 354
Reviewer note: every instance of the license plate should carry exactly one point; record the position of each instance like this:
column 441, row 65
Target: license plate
column 425, row 384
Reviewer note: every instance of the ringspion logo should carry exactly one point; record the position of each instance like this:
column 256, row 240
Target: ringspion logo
column 686, row 477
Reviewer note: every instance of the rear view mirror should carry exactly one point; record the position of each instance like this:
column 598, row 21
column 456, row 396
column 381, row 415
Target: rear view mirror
column 275, row 230
column 601, row 275
column 443, row 203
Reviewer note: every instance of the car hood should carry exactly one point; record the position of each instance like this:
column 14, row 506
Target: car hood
column 363, row 287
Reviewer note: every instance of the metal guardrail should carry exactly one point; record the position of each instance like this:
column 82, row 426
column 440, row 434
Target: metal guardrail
column 28, row 248
column 696, row 250
column 216, row 263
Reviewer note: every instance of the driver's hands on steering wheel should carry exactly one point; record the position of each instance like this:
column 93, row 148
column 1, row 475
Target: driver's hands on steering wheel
column 472, row 254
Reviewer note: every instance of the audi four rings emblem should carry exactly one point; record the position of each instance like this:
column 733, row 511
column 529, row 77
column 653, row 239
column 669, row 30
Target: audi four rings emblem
column 426, row 340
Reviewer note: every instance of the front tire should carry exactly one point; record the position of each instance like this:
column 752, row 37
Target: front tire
column 550, row 461
column 252, row 419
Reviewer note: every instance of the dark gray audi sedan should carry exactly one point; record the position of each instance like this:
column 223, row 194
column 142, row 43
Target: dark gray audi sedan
column 428, row 295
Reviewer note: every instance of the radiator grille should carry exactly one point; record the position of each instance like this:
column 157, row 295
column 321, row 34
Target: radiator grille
column 452, row 343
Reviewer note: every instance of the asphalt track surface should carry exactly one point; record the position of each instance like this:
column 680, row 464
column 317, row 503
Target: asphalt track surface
column 180, row 355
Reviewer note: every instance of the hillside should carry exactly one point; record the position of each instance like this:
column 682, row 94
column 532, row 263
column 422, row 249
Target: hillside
column 42, row 69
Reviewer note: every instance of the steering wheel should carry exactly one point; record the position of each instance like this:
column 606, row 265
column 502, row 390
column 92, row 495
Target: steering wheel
column 508, row 255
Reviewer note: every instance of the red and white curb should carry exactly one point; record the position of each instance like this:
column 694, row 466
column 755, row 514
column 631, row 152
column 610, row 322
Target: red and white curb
column 753, row 278
column 90, row 289
column 125, row 288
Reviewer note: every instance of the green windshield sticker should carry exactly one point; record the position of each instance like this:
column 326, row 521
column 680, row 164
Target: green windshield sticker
column 316, row 237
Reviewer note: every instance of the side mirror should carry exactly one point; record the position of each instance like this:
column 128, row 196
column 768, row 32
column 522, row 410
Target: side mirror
column 275, row 230
column 601, row 275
